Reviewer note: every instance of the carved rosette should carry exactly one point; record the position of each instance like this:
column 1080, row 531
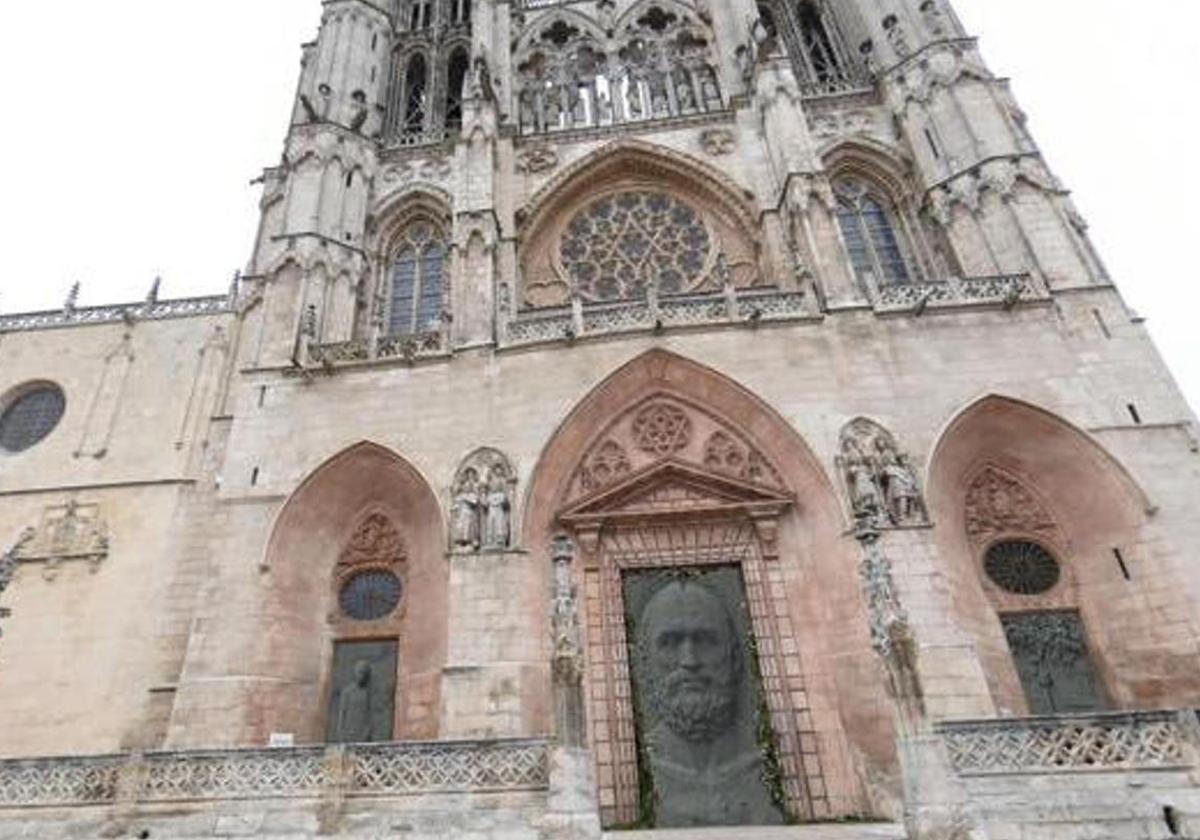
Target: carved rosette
column 663, row 428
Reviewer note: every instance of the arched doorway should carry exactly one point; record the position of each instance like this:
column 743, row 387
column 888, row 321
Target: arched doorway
column 685, row 494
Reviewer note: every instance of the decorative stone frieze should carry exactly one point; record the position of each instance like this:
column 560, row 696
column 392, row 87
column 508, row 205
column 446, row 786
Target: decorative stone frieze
column 67, row 533
column 366, row 770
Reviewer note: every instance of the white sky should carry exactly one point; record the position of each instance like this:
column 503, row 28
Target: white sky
column 132, row 129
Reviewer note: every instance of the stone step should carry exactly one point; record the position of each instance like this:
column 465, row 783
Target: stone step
column 812, row 831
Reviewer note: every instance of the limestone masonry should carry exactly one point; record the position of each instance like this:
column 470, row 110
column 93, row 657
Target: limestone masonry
column 671, row 414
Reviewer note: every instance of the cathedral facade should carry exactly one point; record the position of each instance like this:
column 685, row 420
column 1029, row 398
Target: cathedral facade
column 634, row 414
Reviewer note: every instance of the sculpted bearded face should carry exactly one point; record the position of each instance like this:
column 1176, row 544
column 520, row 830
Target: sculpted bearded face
column 693, row 660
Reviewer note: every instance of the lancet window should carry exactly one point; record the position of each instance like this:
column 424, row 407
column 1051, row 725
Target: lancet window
column 873, row 233
column 429, row 71
column 416, row 280
column 659, row 65
column 809, row 30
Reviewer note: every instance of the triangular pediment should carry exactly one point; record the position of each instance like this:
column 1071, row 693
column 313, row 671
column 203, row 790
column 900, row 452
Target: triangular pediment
column 673, row 487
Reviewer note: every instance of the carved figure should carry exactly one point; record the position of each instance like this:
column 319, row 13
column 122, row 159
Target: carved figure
column 900, row 488
column 465, row 510
column 864, row 492
column 704, row 757
column 881, row 481
column 496, row 530
column 352, row 715
column 482, row 502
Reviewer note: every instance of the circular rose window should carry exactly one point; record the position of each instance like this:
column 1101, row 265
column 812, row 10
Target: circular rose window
column 618, row 247
column 31, row 416
column 1021, row 567
column 370, row 595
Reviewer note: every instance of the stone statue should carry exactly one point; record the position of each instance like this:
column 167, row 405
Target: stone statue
column 465, row 512
column 352, row 722
column 497, row 510
column 901, row 492
column 704, row 756
column 864, row 491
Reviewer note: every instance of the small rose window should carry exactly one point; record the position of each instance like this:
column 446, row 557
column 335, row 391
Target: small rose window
column 31, row 417
column 1021, row 567
column 621, row 245
column 370, row 595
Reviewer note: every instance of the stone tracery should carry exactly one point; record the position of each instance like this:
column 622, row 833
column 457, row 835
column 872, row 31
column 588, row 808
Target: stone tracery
column 655, row 63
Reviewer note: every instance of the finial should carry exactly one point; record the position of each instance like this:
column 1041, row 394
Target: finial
column 234, row 286
column 72, row 300
column 152, row 295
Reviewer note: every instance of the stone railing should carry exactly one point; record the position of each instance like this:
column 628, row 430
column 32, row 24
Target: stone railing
column 145, row 311
column 841, row 86
column 1117, row 741
column 565, row 324
column 352, row 770
column 1004, row 290
column 407, row 348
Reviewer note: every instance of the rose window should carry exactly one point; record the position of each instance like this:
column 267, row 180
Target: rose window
column 1021, row 567
column 622, row 245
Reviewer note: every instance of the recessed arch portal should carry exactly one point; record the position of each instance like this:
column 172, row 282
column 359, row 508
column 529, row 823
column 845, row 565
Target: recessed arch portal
column 666, row 451
column 1044, row 481
column 369, row 489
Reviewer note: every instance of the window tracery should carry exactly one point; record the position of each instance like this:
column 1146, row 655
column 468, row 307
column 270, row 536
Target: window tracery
column 416, row 280
column 876, row 244
column 810, row 31
column 657, row 66
column 622, row 245
column 430, row 66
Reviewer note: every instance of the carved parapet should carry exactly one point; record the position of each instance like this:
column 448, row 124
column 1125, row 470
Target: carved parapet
column 406, row 348
column 1113, row 741
column 117, row 313
column 219, row 775
column 1002, row 290
column 751, row 308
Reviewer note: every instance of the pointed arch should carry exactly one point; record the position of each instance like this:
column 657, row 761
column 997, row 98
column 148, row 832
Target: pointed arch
column 298, row 602
column 1059, row 488
column 535, row 28
column 707, row 212
column 804, row 524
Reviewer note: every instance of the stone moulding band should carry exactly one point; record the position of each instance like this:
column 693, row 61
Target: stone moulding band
column 1116, row 741
column 158, row 310
column 393, row 769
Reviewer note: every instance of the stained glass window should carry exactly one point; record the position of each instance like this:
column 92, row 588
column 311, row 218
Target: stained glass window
column 622, row 245
column 370, row 595
column 1021, row 567
column 31, row 417
column 871, row 239
column 415, row 302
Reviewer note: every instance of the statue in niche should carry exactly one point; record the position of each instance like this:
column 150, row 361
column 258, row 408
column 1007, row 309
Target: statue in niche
column 900, row 486
column 481, row 505
column 699, row 701
column 496, row 529
column 883, row 487
column 465, row 512
column 864, row 491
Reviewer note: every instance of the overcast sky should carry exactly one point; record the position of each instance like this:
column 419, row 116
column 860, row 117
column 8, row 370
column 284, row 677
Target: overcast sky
column 133, row 128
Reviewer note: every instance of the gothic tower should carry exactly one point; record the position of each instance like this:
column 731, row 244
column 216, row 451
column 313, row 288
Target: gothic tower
column 634, row 413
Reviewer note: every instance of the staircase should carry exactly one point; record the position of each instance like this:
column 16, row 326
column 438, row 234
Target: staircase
column 814, row 831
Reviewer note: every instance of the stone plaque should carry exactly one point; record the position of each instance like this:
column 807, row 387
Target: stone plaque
column 1052, row 659
column 705, row 756
column 362, row 703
